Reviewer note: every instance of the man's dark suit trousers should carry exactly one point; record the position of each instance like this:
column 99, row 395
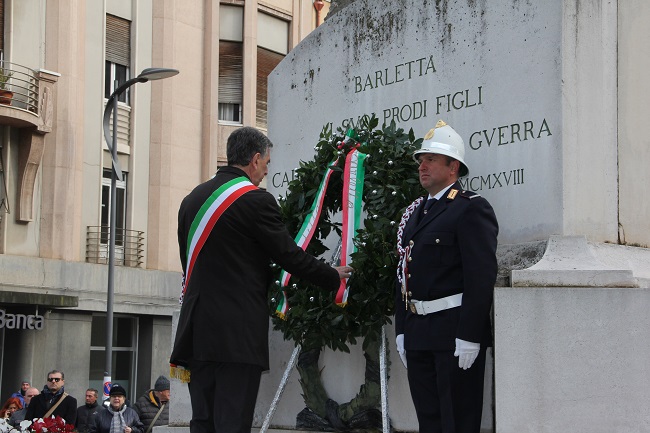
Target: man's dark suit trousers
column 223, row 396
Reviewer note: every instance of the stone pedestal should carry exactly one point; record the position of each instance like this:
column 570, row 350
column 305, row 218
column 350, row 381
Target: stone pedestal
column 572, row 341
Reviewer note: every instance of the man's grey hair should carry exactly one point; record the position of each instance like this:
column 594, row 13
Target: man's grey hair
column 56, row 371
column 94, row 391
column 244, row 143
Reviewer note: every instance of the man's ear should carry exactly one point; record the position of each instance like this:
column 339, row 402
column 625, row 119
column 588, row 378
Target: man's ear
column 455, row 166
column 256, row 159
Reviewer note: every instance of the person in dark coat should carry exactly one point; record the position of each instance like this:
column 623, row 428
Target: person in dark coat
column 117, row 417
column 53, row 392
column 448, row 269
column 222, row 333
column 150, row 403
column 19, row 416
column 85, row 412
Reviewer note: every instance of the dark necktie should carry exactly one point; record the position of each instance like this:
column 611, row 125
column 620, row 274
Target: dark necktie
column 428, row 205
column 423, row 210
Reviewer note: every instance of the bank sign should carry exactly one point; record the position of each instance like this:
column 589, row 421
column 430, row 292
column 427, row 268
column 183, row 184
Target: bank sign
column 20, row 321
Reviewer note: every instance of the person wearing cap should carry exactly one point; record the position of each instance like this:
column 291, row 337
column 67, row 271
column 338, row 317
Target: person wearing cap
column 447, row 273
column 153, row 405
column 20, row 394
column 117, row 417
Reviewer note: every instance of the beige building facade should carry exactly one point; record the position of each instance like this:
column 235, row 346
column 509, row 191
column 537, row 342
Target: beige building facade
column 61, row 60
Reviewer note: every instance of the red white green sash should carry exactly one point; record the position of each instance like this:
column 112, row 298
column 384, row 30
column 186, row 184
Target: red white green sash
column 207, row 217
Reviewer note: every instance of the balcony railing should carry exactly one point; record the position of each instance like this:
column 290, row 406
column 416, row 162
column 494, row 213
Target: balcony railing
column 23, row 84
column 129, row 246
column 27, row 104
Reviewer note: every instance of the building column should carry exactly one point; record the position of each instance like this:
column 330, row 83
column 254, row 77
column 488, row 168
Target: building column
column 62, row 185
column 210, row 115
column 162, row 208
column 250, row 63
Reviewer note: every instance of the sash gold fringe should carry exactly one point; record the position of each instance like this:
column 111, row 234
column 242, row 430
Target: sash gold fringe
column 180, row 373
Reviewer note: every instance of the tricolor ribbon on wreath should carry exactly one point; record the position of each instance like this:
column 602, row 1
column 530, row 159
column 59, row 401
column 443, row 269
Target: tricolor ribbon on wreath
column 353, row 179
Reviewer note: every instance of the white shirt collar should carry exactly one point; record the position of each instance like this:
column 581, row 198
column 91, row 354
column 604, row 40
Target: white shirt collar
column 441, row 192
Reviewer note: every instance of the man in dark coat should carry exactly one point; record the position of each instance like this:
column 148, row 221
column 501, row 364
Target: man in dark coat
column 448, row 267
column 222, row 332
column 19, row 416
column 52, row 393
column 85, row 412
column 151, row 402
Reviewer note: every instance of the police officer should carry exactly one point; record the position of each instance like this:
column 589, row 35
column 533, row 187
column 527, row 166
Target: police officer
column 448, row 264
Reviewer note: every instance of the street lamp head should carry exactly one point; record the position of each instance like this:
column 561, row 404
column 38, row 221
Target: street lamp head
column 150, row 74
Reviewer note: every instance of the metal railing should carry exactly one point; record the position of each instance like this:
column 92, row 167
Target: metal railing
column 129, row 246
column 22, row 82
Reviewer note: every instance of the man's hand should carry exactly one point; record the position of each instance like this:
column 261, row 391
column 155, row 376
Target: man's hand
column 344, row 271
column 399, row 340
column 466, row 351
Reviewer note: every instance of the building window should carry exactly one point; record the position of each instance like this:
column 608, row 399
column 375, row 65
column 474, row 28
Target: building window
column 266, row 62
column 118, row 55
column 120, row 208
column 125, row 332
column 272, row 46
column 230, row 112
column 231, row 72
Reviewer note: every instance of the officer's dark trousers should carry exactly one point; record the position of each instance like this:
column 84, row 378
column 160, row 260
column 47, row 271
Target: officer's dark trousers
column 223, row 396
column 447, row 398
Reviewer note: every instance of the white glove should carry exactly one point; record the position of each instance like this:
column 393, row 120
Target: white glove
column 466, row 351
column 399, row 340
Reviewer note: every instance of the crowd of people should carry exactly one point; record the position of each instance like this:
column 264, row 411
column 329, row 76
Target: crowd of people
column 116, row 415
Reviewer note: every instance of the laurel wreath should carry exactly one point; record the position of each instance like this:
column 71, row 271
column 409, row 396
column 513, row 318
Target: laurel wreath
column 314, row 320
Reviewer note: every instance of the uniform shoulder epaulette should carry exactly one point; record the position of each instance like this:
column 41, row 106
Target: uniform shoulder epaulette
column 469, row 194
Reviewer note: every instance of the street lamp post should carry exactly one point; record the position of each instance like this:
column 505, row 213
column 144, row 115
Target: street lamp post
column 116, row 173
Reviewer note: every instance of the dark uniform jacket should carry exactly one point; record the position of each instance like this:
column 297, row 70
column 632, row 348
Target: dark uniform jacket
column 101, row 421
column 148, row 406
column 40, row 404
column 225, row 313
column 453, row 251
column 84, row 416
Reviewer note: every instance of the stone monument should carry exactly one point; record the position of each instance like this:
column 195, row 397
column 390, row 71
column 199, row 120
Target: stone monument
column 535, row 89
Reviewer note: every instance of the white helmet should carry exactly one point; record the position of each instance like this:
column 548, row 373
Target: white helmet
column 442, row 139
